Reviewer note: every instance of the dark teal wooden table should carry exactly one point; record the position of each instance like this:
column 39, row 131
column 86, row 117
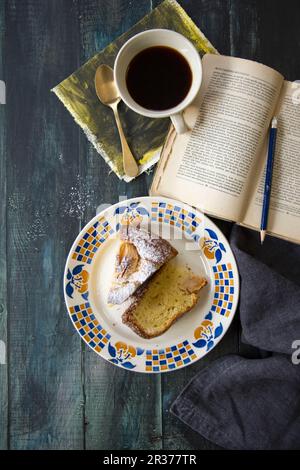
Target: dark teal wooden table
column 55, row 393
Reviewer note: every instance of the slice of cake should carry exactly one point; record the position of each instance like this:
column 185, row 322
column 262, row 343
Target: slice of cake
column 140, row 255
column 168, row 295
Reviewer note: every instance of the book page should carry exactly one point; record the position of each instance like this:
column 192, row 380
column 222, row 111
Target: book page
column 284, row 213
column 210, row 167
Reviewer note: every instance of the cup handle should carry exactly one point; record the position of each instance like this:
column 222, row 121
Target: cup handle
column 179, row 124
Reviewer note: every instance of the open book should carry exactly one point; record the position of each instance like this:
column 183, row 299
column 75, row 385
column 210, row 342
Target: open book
column 219, row 166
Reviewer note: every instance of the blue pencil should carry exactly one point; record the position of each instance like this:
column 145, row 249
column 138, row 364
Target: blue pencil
column 268, row 181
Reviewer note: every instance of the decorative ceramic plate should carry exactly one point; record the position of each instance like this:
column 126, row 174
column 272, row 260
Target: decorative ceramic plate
column 89, row 271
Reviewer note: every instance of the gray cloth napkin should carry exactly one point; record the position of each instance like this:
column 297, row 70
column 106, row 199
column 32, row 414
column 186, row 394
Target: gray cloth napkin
column 242, row 403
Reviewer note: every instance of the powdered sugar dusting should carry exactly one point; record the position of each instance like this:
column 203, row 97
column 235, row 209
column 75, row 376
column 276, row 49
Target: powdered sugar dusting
column 77, row 200
column 149, row 246
column 153, row 252
column 74, row 201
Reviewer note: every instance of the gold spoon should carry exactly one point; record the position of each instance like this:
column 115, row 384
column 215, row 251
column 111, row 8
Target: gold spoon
column 108, row 94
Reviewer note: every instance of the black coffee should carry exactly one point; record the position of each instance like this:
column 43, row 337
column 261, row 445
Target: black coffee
column 158, row 78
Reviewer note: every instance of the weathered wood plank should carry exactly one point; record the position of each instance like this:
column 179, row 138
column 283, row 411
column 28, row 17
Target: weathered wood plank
column 212, row 18
column 252, row 37
column 50, row 195
column 122, row 409
column 244, row 30
column 3, row 278
column 45, row 408
column 267, row 32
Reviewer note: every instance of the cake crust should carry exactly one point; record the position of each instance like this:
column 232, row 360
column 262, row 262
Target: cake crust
column 141, row 254
column 134, row 301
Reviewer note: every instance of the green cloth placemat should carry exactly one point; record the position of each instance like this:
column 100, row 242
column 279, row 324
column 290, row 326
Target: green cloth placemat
column 145, row 136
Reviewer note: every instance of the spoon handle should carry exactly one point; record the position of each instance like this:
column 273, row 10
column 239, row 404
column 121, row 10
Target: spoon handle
column 130, row 166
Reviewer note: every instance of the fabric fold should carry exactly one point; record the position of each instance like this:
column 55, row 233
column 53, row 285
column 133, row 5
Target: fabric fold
column 241, row 403
column 244, row 404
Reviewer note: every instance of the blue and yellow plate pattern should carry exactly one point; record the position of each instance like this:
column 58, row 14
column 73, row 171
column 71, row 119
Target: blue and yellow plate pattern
column 201, row 246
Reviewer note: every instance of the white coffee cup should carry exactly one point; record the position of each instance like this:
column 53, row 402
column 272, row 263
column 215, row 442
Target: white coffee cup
column 159, row 37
